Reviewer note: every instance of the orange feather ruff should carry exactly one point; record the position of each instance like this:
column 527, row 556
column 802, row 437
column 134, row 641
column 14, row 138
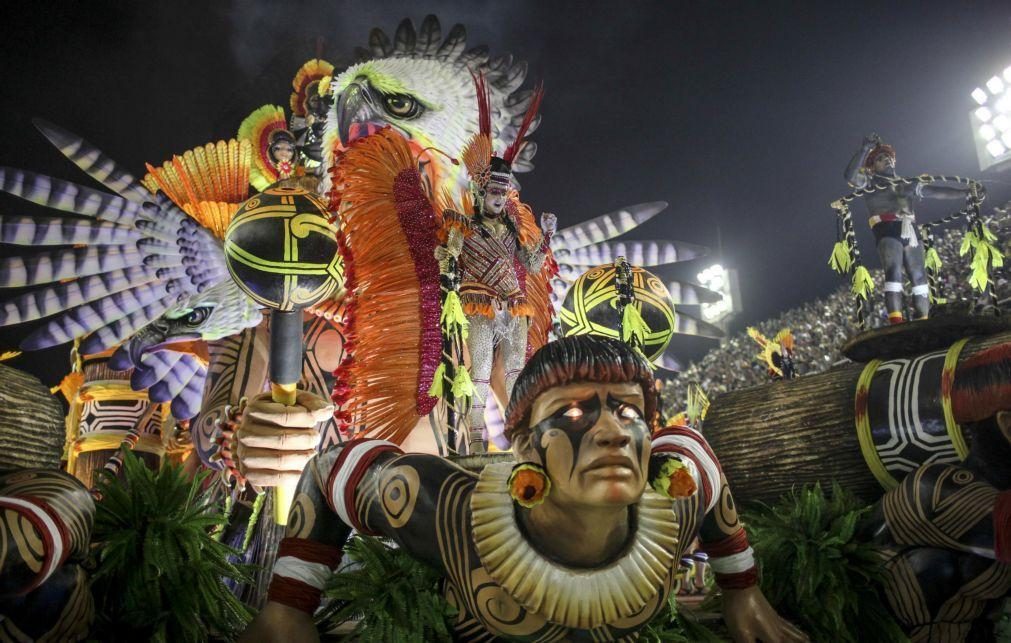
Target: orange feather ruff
column 538, row 285
column 389, row 229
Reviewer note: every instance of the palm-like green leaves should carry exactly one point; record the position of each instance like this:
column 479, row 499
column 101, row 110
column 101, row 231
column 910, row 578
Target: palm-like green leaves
column 816, row 571
column 160, row 570
column 393, row 596
column 673, row 625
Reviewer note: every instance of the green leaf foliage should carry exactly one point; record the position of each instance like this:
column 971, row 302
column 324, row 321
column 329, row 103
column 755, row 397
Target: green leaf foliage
column 160, row 571
column 816, row 571
column 393, row 596
column 677, row 626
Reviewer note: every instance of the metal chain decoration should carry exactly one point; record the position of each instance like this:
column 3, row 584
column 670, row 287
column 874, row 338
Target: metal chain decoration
column 845, row 257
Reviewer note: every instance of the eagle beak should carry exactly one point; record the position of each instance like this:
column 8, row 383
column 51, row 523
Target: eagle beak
column 356, row 113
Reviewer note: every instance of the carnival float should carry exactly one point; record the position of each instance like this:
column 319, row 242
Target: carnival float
column 331, row 377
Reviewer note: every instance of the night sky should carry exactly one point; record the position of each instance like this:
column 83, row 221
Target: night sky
column 743, row 117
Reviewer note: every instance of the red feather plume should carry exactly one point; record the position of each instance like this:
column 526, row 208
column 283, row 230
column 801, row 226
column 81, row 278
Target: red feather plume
column 517, row 145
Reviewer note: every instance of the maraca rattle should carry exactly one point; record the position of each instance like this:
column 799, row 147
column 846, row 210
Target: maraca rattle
column 281, row 250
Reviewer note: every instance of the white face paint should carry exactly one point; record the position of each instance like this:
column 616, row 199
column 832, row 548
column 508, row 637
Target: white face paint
column 494, row 200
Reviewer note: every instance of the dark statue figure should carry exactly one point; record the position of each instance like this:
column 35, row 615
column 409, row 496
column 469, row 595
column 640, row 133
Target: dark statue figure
column 893, row 222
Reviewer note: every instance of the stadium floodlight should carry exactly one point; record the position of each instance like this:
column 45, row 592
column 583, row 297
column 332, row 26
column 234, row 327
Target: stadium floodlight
column 723, row 281
column 991, row 121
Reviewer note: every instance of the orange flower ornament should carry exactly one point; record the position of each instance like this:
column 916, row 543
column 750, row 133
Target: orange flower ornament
column 529, row 484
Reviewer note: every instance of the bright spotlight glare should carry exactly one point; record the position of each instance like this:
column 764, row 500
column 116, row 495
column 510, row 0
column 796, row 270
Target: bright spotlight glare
column 987, row 132
column 995, row 85
column 1006, row 138
column 979, row 95
column 1001, row 122
column 1007, row 74
column 1003, row 103
column 984, row 114
column 995, row 148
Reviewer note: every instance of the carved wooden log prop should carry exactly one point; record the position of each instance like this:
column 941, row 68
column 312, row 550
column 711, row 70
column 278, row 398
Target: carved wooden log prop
column 862, row 425
column 31, row 422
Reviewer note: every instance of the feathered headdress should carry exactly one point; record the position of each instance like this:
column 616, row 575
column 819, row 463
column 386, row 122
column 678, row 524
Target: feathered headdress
column 479, row 157
column 878, row 150
column 307, row 83
column 263, row 128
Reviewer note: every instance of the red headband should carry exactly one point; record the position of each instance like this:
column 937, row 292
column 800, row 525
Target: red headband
column 878, row 150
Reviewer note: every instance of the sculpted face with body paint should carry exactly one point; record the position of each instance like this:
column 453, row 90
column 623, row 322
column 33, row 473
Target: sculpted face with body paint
column 592, row 440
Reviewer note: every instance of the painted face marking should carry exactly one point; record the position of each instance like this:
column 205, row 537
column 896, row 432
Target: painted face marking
column 574, row 419
column 630, row 416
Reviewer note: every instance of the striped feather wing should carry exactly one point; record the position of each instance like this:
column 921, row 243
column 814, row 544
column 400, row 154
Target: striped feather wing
column 110, row 263
column 605, row 227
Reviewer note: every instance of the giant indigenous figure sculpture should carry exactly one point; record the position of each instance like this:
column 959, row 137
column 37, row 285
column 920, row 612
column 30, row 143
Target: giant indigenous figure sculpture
column 575, row 540
column 945, row 531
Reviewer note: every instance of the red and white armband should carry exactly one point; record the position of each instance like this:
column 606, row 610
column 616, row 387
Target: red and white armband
column 347, row 473
column 301, row 572
column 733, row 561
column 693, row 450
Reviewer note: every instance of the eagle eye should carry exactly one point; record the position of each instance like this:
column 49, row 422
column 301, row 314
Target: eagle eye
column 402, row 106
column 197, row 316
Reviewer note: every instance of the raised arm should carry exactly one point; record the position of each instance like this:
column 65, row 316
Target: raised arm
column 942, row 192
column 853, row 175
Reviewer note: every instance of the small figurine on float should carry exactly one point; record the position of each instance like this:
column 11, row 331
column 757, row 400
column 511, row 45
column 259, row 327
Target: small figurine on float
column 582, row 538
column 889, row 201
column 494, row 241
column 945, row 531
column 777, row 353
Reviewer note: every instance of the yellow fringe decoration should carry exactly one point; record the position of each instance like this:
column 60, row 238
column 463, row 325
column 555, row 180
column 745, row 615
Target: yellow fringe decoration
column 841, row 260
column 463, row 387
column 862, row 282
column 6, row 355
column 985, row 255
column 438, row 381
column 453, row 318
column 932, row 261
column 698, row 404
column 633, row 326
